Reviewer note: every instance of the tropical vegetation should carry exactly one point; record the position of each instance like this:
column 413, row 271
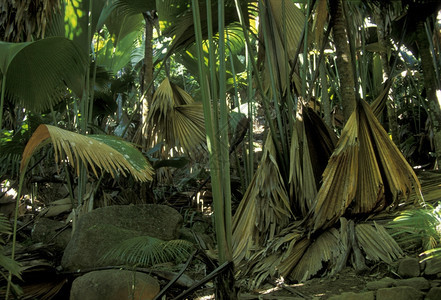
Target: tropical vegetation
column 309, row 119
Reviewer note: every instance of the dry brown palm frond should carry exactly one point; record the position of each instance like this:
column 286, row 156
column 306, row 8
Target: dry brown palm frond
column 301, row 176
column 377, row 243
column 339, row 178
column 264, row 209
column 312, row 144
column 366, row 171
column 107, row 153
column 176, row 118
column 326, row 248
column 277, row 258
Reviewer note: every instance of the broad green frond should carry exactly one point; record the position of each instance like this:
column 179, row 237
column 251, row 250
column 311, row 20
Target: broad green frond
column 135, row 6
column 108, row 153
column 39, row 74
column 148, row 251
column 176, row 118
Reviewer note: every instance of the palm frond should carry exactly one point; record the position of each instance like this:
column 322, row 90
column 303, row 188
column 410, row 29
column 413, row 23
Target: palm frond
column 176, row 118
column 52, row 65
column 377, row 243
column 176, row 20
column 280, row 15
column 264, row 209
column 108, row 153
column 301, row 176
column 416, row 226
column 339, row 178
column 135, row 6
column 148, row 251
column 277, row 258
column 7, row 263
column 365, row 168
column 326, row 248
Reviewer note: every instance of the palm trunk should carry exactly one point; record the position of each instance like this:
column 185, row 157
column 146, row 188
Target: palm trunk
column 147, row 77
column 147, row 94
column 344, row 60
column 430, row 85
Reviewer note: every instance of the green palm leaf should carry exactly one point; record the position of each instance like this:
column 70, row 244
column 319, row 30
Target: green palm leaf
column 38, row 73
column 176, row 118
column 7, row 263
column 279, row 12
column 108, row 153
column 148, row 251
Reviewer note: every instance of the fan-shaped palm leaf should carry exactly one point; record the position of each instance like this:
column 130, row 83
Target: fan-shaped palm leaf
column 108, row 153
column 176, row 20
column 365, row 167
column 176, row 118
column 416, row 226
column 377, row 243
column 38, row 73
column 326, row 248
column 147, row 251
column 264, row 209
column 280, row 16
column 301, row 175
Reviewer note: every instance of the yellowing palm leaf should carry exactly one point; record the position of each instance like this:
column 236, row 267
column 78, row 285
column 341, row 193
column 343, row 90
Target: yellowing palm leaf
column 108, row 153
column 365, row 167
column 264, row 209
column 176, row 118
column 301, row 175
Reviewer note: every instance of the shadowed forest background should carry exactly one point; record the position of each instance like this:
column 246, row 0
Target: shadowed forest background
column 306, row 135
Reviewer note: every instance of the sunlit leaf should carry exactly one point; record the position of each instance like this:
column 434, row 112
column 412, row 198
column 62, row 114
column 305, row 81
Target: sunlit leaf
column 107, row 153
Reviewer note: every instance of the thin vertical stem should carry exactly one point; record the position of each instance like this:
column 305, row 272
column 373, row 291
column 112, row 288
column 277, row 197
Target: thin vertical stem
column 223, row 126
column 211, row 141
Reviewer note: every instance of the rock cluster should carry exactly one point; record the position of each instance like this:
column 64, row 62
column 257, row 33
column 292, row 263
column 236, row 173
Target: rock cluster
column 417, row 282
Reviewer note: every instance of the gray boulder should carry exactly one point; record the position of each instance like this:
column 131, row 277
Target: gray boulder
column 50, row 231
column 97, row 231
column 114, row 285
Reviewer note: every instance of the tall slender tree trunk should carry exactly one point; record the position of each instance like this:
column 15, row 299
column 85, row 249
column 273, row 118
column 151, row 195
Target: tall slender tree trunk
column 147, row 76
column 147, row 94
column 383, row 40
column 344, row 60
column 430, row 84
